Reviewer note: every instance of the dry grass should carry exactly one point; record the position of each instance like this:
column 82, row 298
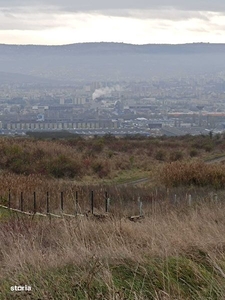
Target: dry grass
column 100, row 157
column 42, row 245
column 175, row 252
column 193, row 173
column 63, row 159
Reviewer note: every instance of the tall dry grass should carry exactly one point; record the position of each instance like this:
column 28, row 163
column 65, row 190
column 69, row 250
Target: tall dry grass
column 42, row 245
column 44, row 242
column 101, row 157
column 62, row 159
column 193, row 173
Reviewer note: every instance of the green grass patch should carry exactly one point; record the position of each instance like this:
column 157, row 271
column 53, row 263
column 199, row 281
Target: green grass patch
column 5, row 213
column 181, row 277
column 129, row 176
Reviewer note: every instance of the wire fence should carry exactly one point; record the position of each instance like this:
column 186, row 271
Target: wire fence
column 100, row 200
column 117, row 201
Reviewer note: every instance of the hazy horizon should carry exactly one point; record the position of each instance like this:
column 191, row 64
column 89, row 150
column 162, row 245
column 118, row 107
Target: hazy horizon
column 112, row 42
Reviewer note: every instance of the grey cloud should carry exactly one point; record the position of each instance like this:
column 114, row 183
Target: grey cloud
column 9, row 15
column 87, row 5
column 169, row 14
column 28, row 21
column 34, row 15
column 217, row 27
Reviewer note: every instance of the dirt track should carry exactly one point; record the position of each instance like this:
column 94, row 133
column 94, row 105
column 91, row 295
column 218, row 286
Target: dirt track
column 134, row 182
column 215, row 160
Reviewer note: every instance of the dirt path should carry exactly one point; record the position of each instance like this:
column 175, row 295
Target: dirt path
column 215, row 160
column 134, row 182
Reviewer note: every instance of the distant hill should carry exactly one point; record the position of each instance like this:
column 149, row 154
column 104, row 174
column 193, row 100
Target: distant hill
column 111, row 61
column 16, row 78
column 112, row 48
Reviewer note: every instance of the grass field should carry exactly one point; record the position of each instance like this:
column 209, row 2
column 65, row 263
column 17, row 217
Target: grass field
column 175, row 252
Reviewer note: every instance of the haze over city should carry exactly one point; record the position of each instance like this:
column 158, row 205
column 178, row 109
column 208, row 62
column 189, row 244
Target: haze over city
column 137, row 22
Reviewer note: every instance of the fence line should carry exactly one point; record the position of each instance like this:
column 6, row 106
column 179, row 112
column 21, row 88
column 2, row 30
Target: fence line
column 96, row 202
column 48, row 206
column 32, row 209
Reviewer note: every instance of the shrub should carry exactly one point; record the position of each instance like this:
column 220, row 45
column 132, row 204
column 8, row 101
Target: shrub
column 97, row 146
column 131, row 159
column 197, row 173
column 19, row 166
column 208, row 147
column 177, row 155
column 101, row 168
column 193, row 153
column 110, row 154
column 160, row 155
column 63, row 166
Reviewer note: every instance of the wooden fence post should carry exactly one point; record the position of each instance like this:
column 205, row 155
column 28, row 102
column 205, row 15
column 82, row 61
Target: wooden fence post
column 175, row 199
column 76, row 203
column 47, row 203
column 35, row 206
column 106, row 202
column 9, row 200
column 21, row 201
column 61, row 200
column 92, row 202
column 140, row 205
column 189, row 200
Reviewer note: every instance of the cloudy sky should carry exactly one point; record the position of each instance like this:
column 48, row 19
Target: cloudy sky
column 129, row 21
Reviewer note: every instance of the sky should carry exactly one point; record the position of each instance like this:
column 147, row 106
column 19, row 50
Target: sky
column 57, row 22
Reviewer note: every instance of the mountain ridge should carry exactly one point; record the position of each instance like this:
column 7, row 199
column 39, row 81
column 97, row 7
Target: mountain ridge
column 123, row 47
column 112, row 61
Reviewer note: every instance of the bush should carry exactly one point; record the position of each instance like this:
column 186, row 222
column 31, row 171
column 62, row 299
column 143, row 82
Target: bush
column 97, row 145
column 160, row 155
column 177, row 155
column 208, row 147
column 197, row 173
column 193, row 153
column 101, row 168
column 63, row 166
column 110, row 154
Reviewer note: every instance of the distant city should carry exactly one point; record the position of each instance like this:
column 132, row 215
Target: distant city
column 158, row 107
column 191, row 103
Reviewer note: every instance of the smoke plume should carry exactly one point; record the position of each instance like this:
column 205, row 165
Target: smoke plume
column 105, row 91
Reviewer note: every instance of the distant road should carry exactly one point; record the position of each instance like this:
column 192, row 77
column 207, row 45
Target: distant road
column 134, row 182
column 215, row 160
